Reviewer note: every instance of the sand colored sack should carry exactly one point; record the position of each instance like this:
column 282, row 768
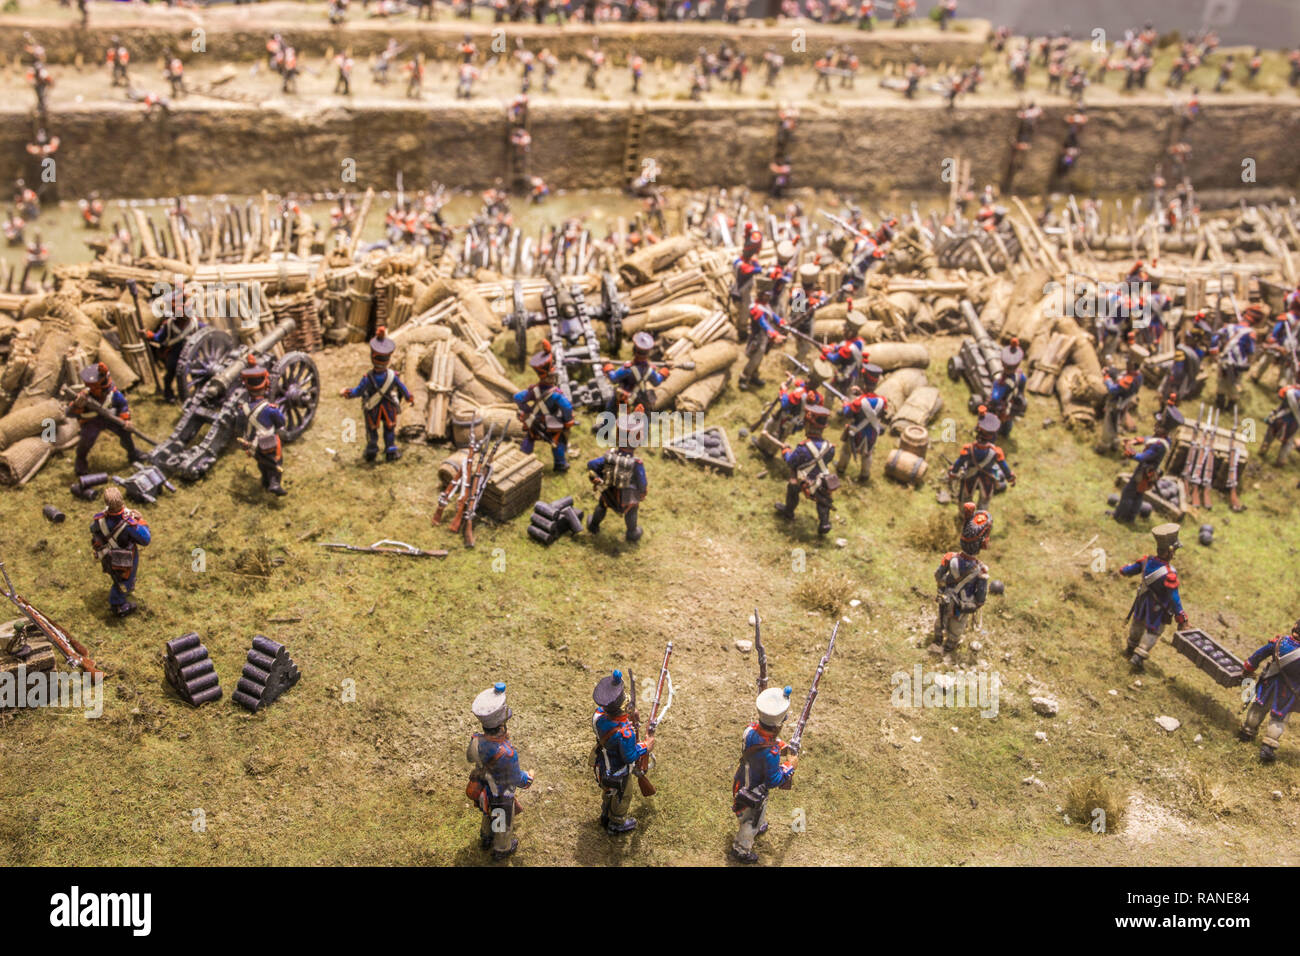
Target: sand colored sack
column 29, row 421
column 895, row 355
column 700, row 394
column 920, row 408
column 714, row 357
column 22, row 460
column 641, row 266
column 897, row 386
column 123, row 375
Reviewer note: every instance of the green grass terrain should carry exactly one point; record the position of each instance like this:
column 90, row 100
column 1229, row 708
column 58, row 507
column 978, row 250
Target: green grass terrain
column 315, row 780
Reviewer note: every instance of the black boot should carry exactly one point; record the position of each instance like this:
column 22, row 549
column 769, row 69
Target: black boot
column 1267, row 754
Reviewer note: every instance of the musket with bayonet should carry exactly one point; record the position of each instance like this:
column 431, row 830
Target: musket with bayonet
column 1191, row 477
column 826, row 385
column 75, row 654
column 1234, row 463
column 762, row 653
column 1206, row 463
column 482, row 475
column 796, row 741
column 656, row 715
column 386, row 546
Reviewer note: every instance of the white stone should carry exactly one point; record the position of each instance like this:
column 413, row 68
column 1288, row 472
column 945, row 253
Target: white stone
column 854, row 603
column 1197, row 739
column 1046, row 706
column 744, row 646
column 1040, row 736
column 1168, row 723
column 841, row 542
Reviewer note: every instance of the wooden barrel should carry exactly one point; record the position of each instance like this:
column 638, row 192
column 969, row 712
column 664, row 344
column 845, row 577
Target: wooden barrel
column 915, row 439
column 905, row 467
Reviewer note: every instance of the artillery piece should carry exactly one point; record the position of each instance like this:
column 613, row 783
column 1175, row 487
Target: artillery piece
column 211, row 363
column 978, row 361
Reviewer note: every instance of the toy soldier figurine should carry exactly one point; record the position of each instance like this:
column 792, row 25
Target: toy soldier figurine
column 616, row 753
column 1157, row 601
column 760, row 771
column 1234, row 344
column 262, row 423
column 170, row 338
column 118, row 57
column 981, row 466
column 100, row 390
column 116, row 536
column 865, row 415
column 1181, row 378
column 804, row 303
column 1121, row 394
column 619, row 477
column 545, row 411
column 1276, row 690
column 1283, row 423
column 634, row 380
column 381, row 392
column 963, row 581
column 1281, row 348
column 1007, row 398
column 494, row 774
column 848, row 359
column 764, row 331
column 1147, row 462
column 796, row 396
column 810, row 470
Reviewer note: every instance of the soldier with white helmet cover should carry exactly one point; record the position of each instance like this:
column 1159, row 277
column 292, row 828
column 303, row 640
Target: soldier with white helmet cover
column 495, row 775
column 761, row 770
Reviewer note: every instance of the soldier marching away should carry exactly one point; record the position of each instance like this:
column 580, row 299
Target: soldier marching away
column 118, row 57
column 1276, row 690
column 1147, row 462
column 981, row 466
column 864, row 416
column 1157, row 601
column 263, row 420
column 381, row 392
column 619, row 477
column 494, row 774
column 760, row 771
column 963, row 581
column 99, row 388
column 544, row 409
column 116, row 536
column 616, row 752
column 810, row 470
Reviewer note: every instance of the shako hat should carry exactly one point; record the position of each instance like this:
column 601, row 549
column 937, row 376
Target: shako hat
column 490, row 707
column 772, row 705
column 1166, row 535
column 611, row 690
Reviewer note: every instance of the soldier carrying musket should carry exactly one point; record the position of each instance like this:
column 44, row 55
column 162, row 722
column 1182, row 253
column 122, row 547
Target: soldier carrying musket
column 1147, row 462
column 1276, row 690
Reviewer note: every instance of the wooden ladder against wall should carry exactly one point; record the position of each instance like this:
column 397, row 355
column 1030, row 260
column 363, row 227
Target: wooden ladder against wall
column 632, row 143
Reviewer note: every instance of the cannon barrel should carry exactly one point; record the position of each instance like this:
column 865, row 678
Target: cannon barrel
column 227, row 377
column 988, row 348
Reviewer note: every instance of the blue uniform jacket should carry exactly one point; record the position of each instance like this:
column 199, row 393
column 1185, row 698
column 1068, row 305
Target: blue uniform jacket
column 496, row 764
column 760, row 767
column 616, row 742
column 134, row 536
column 372, row 383
column 1158, row 602
column 1274, row 692
column 546, row 399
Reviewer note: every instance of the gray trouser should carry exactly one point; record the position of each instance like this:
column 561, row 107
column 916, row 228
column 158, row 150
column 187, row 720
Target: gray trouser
column 1141, row 640
column 950, row 627
column 755, row 348
column 847, row 451
column 1255, row 715
column 616, row 802
column 498, row 824
column 751, row 821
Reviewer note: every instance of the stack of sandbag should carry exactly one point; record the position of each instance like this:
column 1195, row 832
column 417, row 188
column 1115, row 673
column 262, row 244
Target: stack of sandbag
column 24, row 441
column 711, row 360
column 897, row 386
